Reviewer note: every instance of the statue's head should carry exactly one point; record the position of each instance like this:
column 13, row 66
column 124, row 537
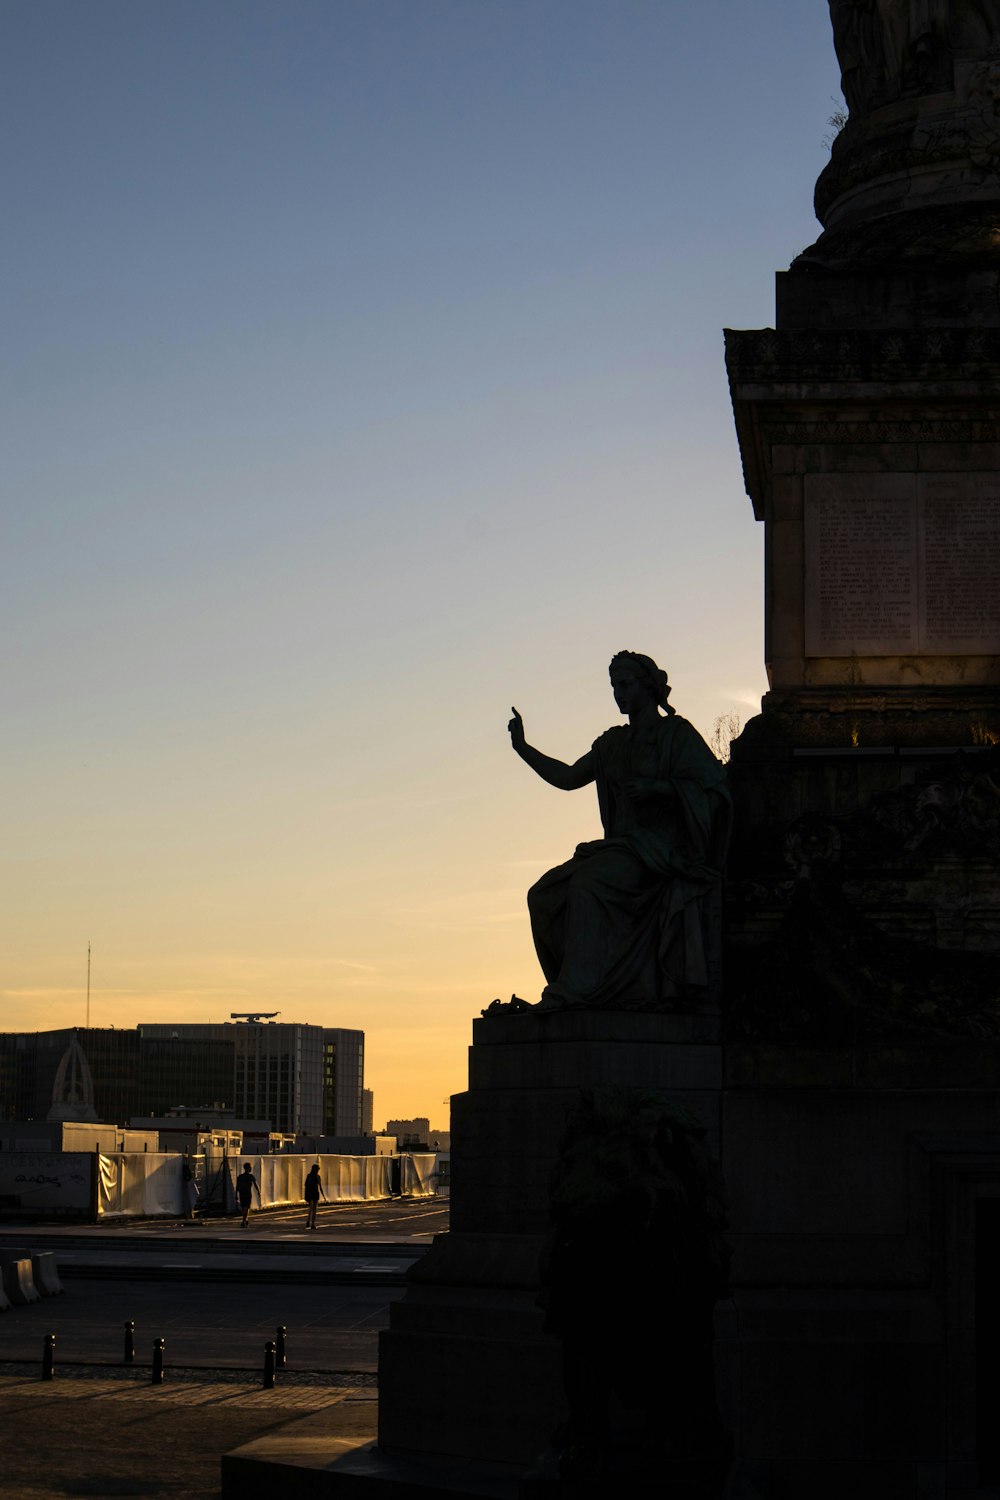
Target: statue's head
column 653, row 678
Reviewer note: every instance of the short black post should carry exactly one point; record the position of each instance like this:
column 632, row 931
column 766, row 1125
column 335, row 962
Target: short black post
column 280, row 1357
column 130, row 1342
column 269, row 1365
column 158, row 1349
column 49, row 1357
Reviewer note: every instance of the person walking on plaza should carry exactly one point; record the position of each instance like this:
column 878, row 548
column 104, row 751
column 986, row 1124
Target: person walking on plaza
column 246, row 1186
column 313, row 1189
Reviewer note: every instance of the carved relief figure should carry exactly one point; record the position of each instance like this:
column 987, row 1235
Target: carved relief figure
column 894, row 18
column 857, row 38
column 620, row 924
column 891, row 48
column 637, row 1258
column 975, row 27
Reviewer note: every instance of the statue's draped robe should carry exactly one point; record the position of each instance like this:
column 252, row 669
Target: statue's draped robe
column 620, row 924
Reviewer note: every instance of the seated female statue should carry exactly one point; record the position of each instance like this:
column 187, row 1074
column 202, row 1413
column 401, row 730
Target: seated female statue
column 620, row 925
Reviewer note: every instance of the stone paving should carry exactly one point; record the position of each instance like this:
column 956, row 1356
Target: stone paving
column 112, row 1437
column 101, row 1429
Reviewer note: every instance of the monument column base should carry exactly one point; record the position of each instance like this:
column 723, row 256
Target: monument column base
column 466, row 1367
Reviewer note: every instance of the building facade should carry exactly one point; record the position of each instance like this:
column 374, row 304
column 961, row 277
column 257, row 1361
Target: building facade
column 33, row 1080
column 343, row 1082
column 303, row 1079
column 273, row 1070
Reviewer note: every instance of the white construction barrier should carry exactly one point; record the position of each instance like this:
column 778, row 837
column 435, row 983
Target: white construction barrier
column 151, row 1184
column 146, row 1184
column 418, row 1174
column 45, row 1274
column 281, row 1179
column 18, row 1282
column 56, row 1182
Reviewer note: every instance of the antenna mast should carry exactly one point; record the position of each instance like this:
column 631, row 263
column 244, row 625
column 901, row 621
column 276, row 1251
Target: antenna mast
column 88, row 986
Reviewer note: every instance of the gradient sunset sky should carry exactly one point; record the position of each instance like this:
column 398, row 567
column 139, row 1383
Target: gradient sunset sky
column 364, row 377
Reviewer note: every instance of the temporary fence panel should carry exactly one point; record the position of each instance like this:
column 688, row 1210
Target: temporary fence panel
column 281, row 1178
column 378, row 1180
column 146, row 1184
column 46, row 1182
column 418, row 1175
column 275, row 1177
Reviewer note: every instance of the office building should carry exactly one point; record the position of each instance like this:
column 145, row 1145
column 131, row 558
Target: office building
column 303, row 1079
column 343, row 1082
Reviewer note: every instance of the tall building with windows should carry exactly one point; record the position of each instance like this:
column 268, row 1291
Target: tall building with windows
column 303, row 1079
column 179, row 1068
column 343, row 1081
column 275, row 1070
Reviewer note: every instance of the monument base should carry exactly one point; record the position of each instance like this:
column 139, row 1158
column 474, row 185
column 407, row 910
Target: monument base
column 471, row 1398
column 465, row 1367
column 333, row 1454
column 526, row 1070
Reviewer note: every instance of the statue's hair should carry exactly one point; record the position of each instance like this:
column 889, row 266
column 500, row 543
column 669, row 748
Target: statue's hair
column 654, row 675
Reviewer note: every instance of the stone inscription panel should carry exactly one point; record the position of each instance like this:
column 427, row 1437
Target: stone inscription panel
column 959, row 518
column 899, row 564
column 861, row 564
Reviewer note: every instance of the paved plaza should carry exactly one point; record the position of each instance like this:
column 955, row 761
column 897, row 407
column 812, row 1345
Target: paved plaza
column 215, row 1294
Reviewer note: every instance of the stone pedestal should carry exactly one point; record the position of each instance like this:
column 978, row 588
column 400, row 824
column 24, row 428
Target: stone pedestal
column 526, row 1071
column 465, row 1367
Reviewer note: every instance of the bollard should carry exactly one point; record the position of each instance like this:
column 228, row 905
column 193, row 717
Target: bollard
column 129, row 1357
column 49, row 1357
column 269, row 1365
column 158, row 1349
column 280, row 1358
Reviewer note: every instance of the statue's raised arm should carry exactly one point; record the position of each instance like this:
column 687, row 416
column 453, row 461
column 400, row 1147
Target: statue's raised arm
column 555, row 772
column 620, row 925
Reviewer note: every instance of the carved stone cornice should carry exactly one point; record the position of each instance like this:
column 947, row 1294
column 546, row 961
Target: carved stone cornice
column 769, row 356
column 932, row 430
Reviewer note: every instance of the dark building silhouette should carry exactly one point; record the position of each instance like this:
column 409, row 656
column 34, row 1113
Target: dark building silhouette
column 303, row 1079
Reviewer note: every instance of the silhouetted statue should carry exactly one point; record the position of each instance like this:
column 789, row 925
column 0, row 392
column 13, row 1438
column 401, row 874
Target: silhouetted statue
column 857, row 36
column 621, row 924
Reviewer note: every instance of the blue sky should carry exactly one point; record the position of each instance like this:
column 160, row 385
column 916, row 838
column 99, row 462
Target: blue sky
column 364, row 376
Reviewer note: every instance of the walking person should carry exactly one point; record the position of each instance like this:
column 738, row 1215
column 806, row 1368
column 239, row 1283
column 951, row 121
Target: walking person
column 313, row 1189
column 189, row 1188
column 246, row 1186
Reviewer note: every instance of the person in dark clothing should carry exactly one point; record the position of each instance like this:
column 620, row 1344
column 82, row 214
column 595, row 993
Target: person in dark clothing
column 313, row 1189
column 246, row 1186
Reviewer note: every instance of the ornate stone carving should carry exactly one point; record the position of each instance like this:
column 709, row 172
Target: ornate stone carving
column 888, row 918
column 893, row 49
column 509, row 1007
column 637, row 1194
column 861, row 354
column 984, row 121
